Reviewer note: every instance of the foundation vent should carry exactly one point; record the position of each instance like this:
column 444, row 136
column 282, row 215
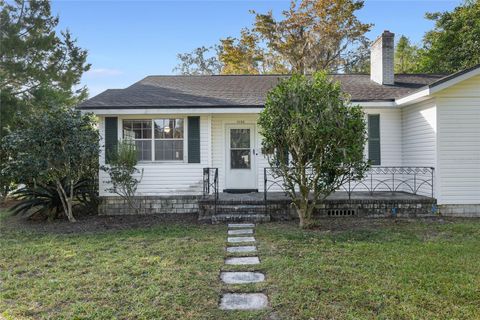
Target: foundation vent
column 340, row 212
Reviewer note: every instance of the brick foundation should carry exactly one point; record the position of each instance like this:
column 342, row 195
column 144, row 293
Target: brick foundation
column 460, row 210
column 280, row 209
column 150, row 205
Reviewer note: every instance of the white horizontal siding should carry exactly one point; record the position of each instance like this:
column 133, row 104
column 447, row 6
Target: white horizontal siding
column 390, row 136
column 459, row 150
column 419, row 139
column 167, row 178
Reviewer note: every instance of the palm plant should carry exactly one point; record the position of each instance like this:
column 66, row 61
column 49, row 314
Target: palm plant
column 43, row 200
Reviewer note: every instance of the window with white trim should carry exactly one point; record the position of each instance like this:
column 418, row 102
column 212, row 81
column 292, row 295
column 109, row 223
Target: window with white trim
column 156, row 139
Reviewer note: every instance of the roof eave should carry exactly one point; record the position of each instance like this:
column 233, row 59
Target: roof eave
column 439, row 85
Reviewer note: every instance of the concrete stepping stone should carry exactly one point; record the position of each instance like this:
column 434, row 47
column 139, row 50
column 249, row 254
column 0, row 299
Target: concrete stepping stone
column 242, row 260
column 242, row 277
column 240, row 239
column 241, row 249
column 240, row 231
column 243, row 301
column 241, row 225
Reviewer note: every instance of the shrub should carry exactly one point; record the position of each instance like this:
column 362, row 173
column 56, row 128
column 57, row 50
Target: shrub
column 122, row 170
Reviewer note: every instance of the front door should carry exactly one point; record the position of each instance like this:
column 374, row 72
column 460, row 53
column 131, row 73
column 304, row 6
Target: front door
column 240, row 156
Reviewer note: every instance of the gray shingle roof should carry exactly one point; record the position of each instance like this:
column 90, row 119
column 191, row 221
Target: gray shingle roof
column 240, row 90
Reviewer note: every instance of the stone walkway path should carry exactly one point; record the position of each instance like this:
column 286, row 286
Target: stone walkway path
column 241, row 240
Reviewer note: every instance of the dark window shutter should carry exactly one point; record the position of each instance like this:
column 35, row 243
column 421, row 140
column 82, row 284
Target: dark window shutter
column 111, row 137
column 374, row 139
column 193, row 139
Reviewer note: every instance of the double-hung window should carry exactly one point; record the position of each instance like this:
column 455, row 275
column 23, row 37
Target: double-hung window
column 157, row 139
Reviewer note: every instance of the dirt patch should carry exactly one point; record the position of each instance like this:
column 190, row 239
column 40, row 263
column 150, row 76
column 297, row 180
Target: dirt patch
column 95, row 224
column 355, row 224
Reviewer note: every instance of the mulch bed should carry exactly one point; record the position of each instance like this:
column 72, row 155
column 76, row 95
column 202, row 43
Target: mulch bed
column 95, row 223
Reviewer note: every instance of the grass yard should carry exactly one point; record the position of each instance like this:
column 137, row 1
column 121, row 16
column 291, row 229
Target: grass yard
column 352, row 270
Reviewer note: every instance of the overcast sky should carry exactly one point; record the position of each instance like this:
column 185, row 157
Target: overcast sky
column 128, row 40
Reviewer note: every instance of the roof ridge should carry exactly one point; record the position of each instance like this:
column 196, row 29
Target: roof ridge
column 276, row 75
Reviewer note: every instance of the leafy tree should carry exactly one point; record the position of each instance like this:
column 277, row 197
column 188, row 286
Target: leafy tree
column 240, row 56
column 199, row 62
column 58, row 145
column 312, row 120
column 122, row 170
column 406, row 56
column 357, row 60
column 38, row 65
column 313, row 34
column 33, row 54
column 454, row 43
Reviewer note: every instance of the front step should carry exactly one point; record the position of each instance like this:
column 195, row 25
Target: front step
column 240, row 217
column 233, row 211
column 241, row 208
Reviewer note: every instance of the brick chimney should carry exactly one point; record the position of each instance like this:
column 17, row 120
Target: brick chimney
column 381, row 59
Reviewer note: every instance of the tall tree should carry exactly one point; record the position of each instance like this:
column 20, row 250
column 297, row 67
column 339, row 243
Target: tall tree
column 406, row 56
column 201, row 61
column 38, row 65
column 313, row 34
column 314, row 139
column 241, row 56
column 454, row 43
column 33, row 54
column 357, row 60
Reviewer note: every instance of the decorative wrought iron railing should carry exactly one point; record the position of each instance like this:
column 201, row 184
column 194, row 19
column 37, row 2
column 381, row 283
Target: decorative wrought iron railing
column 415, row 180
column 210, row 184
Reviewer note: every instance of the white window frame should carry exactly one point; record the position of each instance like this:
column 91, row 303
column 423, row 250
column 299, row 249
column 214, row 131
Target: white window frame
column 152, row 139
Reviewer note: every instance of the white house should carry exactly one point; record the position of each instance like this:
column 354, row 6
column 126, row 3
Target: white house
column 183, row 124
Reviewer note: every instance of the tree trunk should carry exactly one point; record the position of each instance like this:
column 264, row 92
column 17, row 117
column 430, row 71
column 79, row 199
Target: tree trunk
column 66, row 203
column 70, row 203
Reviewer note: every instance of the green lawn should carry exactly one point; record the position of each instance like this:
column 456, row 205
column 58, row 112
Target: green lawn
column 406, row 270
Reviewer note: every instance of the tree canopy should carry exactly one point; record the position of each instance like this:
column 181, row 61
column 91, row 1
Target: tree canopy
column 406, row 56
column 200, row 61
column 311, row 35
column 33, row 54
column 454, row 42
column 39, row 66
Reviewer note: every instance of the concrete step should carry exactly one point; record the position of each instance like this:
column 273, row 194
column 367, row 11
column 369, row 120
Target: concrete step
column 240, row 217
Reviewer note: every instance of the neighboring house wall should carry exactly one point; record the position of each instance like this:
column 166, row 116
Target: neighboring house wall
column 166, row 178
column 419, row 137
column 458, row 114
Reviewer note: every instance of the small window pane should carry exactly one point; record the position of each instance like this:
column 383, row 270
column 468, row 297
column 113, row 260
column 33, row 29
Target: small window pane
column 159, row 129
column 168, row 129
column 167, row 150
column 178, row 134
column 240, row 159
column 239, row 138
column 144, row 150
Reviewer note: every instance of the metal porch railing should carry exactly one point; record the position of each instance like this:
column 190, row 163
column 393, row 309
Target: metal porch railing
column 210, row 184
column 415, row 180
